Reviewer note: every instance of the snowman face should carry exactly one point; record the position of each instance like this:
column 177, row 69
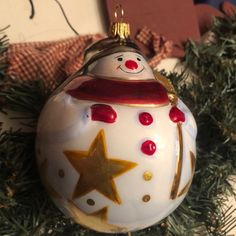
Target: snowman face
column 124, row 65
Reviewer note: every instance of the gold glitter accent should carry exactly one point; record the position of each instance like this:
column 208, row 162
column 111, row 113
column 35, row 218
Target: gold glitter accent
column 95, row 221
column 178, row 171
column 91, row 202
column 173, row 98
column 96, row 170
column 168, row 86
column 147, row 175
column 146, row 198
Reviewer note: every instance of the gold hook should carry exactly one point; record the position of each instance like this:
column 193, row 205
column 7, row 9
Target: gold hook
column 121, row 13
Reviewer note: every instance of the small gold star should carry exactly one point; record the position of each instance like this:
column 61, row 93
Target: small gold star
column 96, row 170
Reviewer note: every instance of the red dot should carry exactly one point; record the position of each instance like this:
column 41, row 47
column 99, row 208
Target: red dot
column 145, row 118
column 148, row 147
column 132, row 65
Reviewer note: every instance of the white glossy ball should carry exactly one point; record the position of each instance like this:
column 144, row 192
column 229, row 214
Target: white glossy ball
column 66, row 124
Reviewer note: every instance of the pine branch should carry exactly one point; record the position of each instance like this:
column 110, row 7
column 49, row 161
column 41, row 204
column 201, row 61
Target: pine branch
column 212, row 98
column 25, row 98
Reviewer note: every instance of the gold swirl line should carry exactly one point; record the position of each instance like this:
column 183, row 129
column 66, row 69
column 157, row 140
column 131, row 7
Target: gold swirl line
column 178, row 171
column 187, row 186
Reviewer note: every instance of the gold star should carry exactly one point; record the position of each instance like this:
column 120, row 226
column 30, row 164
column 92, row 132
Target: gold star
column 96, row 170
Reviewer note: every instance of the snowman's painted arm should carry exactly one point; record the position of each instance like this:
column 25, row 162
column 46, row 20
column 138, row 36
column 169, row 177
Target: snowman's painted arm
column 168, row 86
column 103, row 113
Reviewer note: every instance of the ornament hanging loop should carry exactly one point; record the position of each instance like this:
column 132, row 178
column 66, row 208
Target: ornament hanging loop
column 119, row 13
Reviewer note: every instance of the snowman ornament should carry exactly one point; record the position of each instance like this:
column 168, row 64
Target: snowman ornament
column 115, row 145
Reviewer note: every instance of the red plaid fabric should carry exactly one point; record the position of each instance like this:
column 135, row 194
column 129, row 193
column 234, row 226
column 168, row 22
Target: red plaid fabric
column 50, row 61
column 54, row 61
column 161, row 47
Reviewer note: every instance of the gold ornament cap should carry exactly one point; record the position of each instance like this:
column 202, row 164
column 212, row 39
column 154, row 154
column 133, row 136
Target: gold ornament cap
column 119, row 28
column 118, row 40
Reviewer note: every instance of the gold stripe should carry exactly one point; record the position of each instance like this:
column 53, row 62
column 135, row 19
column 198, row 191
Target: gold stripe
column 193, row 161
column 187, row 186
column 165, row 82
column 178, row 171
column 168, row 86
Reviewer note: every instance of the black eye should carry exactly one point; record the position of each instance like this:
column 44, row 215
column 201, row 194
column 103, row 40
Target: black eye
column 119, row 59
column 138, row 59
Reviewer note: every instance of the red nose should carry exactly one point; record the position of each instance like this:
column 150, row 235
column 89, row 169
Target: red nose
column 132, row 65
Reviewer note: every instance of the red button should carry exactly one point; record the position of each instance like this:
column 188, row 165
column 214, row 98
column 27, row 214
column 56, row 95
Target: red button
column 176, row 115
column 132, row 65
column 148, row 147
column 145, row 118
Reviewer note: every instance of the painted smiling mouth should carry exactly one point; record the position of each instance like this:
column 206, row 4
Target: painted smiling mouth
column 129, row 72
